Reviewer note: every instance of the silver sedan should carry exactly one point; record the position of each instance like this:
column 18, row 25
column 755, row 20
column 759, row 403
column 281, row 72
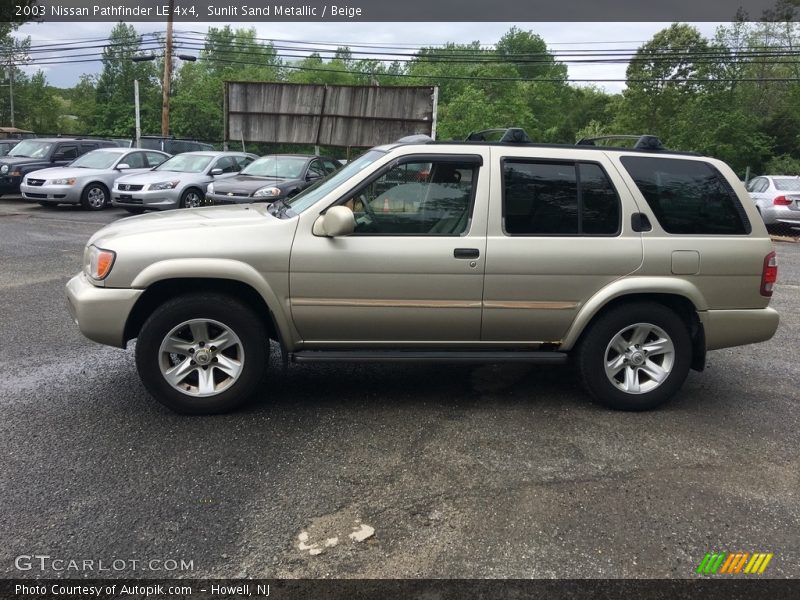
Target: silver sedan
column 89, row 179
column 180, row 182
column 777, row 198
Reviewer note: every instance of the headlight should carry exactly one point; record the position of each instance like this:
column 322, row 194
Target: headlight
column 4, row 169
column 210, row 188
column 66, row 181
column 164, row 185
column 267, row 192
column 97, row 262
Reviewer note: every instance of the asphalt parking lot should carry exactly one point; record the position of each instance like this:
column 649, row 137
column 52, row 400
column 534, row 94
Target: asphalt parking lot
column 469, row 472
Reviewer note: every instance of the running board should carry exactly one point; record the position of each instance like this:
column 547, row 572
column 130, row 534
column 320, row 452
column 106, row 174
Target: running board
column 422, row 356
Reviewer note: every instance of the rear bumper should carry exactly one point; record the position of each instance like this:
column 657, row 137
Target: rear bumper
column 100, row 313
column 726, row 328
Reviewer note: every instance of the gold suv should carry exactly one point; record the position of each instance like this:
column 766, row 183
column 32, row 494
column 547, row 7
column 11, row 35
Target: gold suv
column 631, row 262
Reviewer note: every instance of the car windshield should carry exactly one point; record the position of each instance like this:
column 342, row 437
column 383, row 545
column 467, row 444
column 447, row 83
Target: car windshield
column 310, row 195
column 788, row 184
column 96, row 159
column 186, row 163
column 31, row 149
column 282, row 167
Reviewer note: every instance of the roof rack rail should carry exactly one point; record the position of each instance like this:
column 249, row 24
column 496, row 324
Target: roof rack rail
column 514, row 135
column 643, row 142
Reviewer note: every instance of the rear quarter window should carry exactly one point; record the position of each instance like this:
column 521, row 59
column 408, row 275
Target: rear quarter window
column 688, row 196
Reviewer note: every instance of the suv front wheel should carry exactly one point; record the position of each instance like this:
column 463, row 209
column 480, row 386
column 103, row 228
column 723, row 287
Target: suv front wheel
column 635, row 356
column 202, row 353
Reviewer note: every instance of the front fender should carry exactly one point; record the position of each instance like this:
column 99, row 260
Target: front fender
column 223, row 268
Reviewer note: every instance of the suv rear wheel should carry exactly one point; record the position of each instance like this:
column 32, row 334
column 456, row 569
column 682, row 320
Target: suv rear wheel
column 635, row 357
column 202, row 353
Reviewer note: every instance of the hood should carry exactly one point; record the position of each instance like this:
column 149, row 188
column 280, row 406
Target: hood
column 20, row 160
column 238, row 233
column 245, row 185
column 62, row 172
column 178, row 222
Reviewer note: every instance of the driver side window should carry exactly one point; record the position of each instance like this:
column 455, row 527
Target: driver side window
column 416, row 198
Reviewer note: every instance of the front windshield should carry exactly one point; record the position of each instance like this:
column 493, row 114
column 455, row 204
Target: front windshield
column 31, row 149
column 788, row 185
column 282, row 167
column 310, row 195
column 96, row 159
column 186, row 163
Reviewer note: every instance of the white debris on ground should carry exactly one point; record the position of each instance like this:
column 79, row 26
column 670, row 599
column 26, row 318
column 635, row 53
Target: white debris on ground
column 361, row 533
column 325, row 532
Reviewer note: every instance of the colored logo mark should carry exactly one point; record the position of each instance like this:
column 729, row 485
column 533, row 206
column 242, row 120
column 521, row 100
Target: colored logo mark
column 731, row 563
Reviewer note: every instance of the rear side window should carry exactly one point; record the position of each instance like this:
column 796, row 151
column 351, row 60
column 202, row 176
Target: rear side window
column 688, row 196
column 558, row 198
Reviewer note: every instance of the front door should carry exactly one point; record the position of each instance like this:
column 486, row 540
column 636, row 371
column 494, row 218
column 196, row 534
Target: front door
column 412, row 271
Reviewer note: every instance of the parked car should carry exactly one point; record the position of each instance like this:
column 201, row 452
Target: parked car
column 777, row 198
column 6, row 146
column 173, row 145
column 179, row 182
column 632, row 263
column 271, row 178
column 40, row 153
column 88, row 180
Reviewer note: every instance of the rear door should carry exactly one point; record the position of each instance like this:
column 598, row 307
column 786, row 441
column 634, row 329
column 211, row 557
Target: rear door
column 558, row 233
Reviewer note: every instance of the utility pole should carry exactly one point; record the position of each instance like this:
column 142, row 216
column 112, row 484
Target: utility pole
column 11, row 91
column 167, row 75
column 136, row 108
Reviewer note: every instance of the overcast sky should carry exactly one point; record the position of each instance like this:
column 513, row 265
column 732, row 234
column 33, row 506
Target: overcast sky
column 557, row 35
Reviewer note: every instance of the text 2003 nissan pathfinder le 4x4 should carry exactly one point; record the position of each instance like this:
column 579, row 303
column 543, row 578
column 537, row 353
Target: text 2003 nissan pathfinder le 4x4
column 633, row 262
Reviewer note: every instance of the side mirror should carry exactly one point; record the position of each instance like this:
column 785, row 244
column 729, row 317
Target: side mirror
column 312, row 176
column 123, row 166
column 337, row 221
column 215, row 172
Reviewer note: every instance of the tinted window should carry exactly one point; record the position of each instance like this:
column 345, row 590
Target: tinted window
column 135, row 160
column 330, row 166
column 687, row 196
column 315, row 169
column 548, row 198
column 243, row 161
column 227, row 164
column 66, row 153
column 154, row 159
column 88, row 147
column 437, row 206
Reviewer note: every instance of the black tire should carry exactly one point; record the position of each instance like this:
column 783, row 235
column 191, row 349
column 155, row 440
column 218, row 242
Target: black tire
column 191, row 198
column 252, row 351
column 595, row 351
column 134, row 211
column 94, row 197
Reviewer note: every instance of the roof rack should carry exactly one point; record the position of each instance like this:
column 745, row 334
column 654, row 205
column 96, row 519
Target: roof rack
column 514, row 135
column 643, row 142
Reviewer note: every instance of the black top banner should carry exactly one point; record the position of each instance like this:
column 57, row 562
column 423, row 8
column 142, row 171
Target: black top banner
column 228, row 11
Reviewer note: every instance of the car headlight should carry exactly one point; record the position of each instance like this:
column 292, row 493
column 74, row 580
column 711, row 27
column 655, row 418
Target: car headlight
column 164, row 185
column 97, row 262
column 65, row 181
column 267, row 192
column 210, row 188
column 4, row 169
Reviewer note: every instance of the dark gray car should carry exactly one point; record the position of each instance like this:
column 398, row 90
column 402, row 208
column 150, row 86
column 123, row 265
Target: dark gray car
column 271, row 178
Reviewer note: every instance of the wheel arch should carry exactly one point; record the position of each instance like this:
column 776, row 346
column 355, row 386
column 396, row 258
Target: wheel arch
column 682, row 304
column 162, row 290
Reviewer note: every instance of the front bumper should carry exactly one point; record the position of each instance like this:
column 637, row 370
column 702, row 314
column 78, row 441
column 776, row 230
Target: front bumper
column 152, row 199
column 9, row 185
column 57, row 194
column 726, row 328
column 100, row 313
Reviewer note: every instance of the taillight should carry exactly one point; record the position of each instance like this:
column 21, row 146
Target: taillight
column 769, row 274
column 781, row 201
